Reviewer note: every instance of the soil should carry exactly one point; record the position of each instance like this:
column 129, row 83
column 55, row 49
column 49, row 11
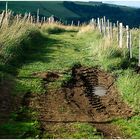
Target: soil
column 6, row 101
column 137, row 69
column 75, row 101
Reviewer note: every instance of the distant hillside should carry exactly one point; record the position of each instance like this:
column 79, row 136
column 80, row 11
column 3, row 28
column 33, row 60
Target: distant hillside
column 83, row 11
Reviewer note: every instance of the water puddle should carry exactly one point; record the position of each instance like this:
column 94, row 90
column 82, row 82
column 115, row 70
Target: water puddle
column 100, row 90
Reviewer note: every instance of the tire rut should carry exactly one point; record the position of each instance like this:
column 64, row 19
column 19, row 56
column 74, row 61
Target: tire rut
column 76, row 101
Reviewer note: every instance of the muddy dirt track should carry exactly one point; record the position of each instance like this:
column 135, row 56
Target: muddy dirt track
column 78, row 101
column 7, row 101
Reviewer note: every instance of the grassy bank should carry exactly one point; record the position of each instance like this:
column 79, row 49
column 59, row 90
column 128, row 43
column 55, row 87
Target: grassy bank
column 16, row 40
column 116, row 60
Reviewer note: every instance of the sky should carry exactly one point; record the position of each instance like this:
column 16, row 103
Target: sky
column 132, row 3
column 126, row 3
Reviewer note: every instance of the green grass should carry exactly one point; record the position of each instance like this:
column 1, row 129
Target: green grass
column 112, row 59
column 20, row 129
column 128, row 85
column 58, row 51
column 22, row 124
column 75, row 131
column 130, row 127
column 85, row 131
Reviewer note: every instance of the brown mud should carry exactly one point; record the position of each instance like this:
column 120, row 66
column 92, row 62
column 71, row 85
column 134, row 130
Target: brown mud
column 76, row 101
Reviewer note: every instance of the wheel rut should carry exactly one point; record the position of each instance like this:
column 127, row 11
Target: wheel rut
column 90, row 96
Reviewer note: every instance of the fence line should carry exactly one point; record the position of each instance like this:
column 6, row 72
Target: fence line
column 103, row 25
column 107, row 29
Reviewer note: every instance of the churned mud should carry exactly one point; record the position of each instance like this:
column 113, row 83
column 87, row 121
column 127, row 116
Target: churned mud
column 90, row 96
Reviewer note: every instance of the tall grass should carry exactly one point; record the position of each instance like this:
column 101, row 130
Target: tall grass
column 111, row 58
column 15, row 38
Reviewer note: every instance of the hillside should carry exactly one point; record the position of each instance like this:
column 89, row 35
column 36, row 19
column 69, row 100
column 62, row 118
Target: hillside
column 78, row 11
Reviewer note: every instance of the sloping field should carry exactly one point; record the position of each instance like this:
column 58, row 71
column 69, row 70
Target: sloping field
column 66, row 10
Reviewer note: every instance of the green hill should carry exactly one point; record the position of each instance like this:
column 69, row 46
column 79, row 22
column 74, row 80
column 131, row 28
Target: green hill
column 83, row 11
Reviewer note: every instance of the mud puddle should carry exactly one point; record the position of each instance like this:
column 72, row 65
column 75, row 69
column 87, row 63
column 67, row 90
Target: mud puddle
column 90, row 96
column 99, row 90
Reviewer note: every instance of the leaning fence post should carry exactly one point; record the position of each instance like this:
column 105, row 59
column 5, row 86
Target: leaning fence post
column 29, row 17
column 1, row 19
column 120, row 34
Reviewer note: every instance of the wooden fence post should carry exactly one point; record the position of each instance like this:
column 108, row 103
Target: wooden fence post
column 114, row 25
column 66, row 22
column 31, row 19
column 44, row 19
column 37, row 15
column 25, row 17
column 111, row 30
column 104, row 25
column 99, row 24
column 108, row 28
column 6, row 13
column 6, row 8
column 117, row 23
column 72, row 23
column 130, row 44
column 127, row 36
column 120, row 34
column 17, row 18
column 95, row 23
column 1, row 18
column 92, row 23
column 78, row 23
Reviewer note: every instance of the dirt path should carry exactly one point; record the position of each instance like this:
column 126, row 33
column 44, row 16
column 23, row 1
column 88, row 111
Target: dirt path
column 88, row 100
column 7, row 104
column 76, row 101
